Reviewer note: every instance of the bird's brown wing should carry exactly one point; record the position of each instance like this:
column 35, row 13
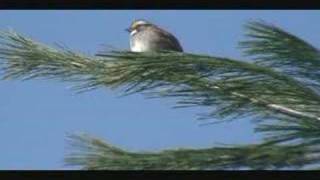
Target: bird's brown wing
column 168, row 41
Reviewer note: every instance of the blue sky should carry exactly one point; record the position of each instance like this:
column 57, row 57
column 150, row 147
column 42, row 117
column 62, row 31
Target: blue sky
column 36, row 115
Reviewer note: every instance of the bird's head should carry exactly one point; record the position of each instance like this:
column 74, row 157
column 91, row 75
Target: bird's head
column 137, row 25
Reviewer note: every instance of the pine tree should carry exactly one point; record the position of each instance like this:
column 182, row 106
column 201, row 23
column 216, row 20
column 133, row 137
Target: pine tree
column 278, row 87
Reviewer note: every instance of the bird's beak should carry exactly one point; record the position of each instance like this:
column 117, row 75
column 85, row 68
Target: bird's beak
column 128, row 29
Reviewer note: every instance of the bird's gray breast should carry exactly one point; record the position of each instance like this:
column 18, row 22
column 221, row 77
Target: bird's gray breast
column 153, row 40
column 142, row 41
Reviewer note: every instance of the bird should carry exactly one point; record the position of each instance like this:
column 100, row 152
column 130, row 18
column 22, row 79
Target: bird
column 148, row 37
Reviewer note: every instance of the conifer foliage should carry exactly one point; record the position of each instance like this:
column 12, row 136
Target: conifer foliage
column 278, row 87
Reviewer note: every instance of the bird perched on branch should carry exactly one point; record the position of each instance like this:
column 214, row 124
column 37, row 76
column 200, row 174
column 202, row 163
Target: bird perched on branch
column 145, row 36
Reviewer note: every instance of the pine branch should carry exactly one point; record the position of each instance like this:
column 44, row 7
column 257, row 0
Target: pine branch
column 238, row 83
column 302, row 132
column 232, row 87
column 92, row 153
column 273, row 47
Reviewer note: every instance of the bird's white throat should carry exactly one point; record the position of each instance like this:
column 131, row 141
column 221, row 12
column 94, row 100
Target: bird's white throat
column 133, row 32
column 138, row 47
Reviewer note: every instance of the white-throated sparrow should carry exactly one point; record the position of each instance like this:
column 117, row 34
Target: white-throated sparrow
column 145, row 36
